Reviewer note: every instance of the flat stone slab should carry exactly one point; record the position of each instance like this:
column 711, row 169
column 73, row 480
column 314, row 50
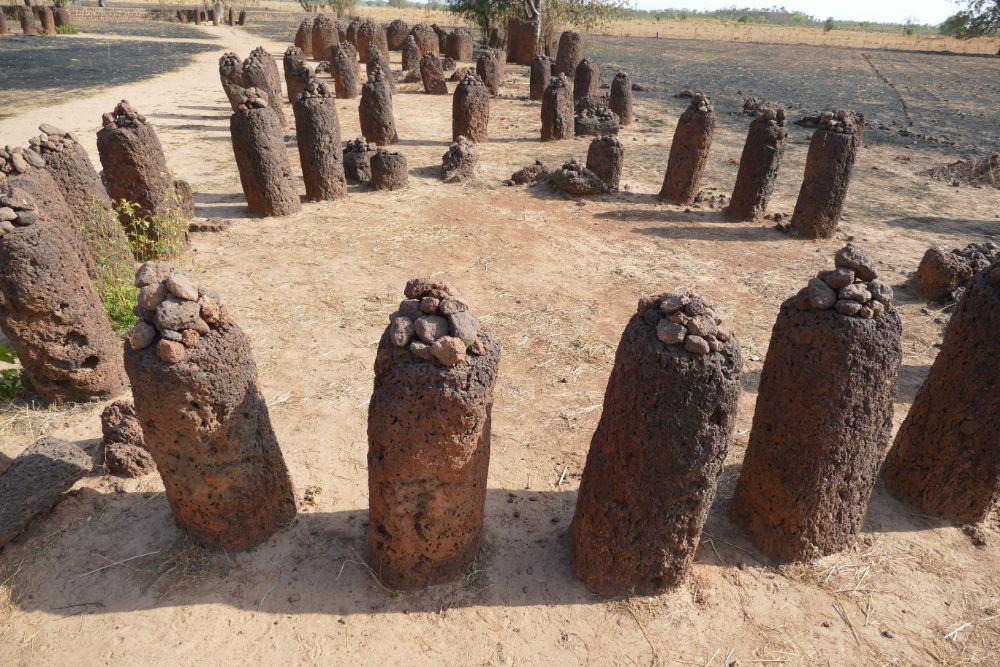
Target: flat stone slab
column 35, row 482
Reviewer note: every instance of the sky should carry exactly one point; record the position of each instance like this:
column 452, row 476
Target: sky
column 883, row 11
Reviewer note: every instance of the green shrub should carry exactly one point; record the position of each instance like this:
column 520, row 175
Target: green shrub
column 159, row 236
column 13, row 382
column 67, row 30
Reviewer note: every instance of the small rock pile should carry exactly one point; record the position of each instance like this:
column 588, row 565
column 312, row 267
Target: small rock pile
column 576, row 179
column 530, row 174
column 358, row 160
column 250, row 98
column 172, row 312
column 51, row 140
column 125, row 450
column 16, row 210
column 16, row 160
column 852, row 289
column 124, row 115
column 459, row 163
column 840, row 122
column 944, row 275
column 435, row 324
column 684, row 318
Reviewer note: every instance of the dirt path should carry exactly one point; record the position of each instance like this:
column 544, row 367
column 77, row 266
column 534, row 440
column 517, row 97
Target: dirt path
column 556, row 279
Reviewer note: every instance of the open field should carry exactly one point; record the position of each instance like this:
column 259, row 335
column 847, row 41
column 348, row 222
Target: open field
column 555, row 278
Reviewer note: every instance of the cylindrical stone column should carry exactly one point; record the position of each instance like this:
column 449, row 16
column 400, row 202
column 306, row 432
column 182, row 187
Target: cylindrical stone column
column 458, row 45
column 396, row 33
column 48, row 21
column 759, row 165
column 570, row 53
column 242, row 20
column 470, row 110
column 4, row 29
column 823, row 415
column 426, row 38
column 231, row 75
column 541, row 76
column 557, row 110
column 204, row 419
column 620, row 100
column 689, row 152
column 358, row 161
column 324, row 35
column 432, row 76
column 27, row 21
column 946, row 457
column 351, row 32
column 586, row 80
column 429, row 439
column 497, row 38
column 411, row 54
column 606, row 157
column 374, row 59
column 657, row 454
column 49, row 311
column 388, row 170
column 344, row 70
column 303, row 39
column 370, row 32
column 375, row 111
column 261, row 157
column 260, row 72
column 442, row 36
column 63, row 16
column 458, row 164
column 292, row 62
column 488, row 69
column 317, row 133
column 829, row 164
column 522, row 40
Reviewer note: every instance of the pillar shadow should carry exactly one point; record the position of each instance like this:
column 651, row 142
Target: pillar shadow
column 221, row 205
column 911, row 378
column 939, row 225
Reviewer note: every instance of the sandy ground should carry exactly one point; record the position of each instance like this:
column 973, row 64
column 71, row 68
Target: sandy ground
column 556, row 279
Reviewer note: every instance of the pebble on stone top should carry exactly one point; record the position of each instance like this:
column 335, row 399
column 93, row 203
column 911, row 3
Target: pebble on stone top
column 16, row 210
column 852, row 288
column 251, row 98
column 841, row 122
column 435, row 324
column 681, row 317
column 51, row 140
column 315, row 88
column 16, row 160
column 124, row 115
column 773, row 117
column 173, row 314
column 700, row 102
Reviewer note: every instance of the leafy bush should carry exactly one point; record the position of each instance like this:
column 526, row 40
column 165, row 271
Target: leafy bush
column 66, row 30
column 159, row 236
column 13, row 382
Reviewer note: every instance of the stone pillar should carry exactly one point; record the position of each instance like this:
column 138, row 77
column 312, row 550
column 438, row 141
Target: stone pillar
column 501, row 57
column 946, row 457
column 411, row 54
column 459, row 45
column 429, row 439
column 351, row 33
column 388, row 170
column 48, row 21
column 823, row 415
column 344, row 71
column 497, row 38
column 63, row 16
column 203, row 416
column 943, row 276
column 358, row 161
column 621, row 98
column 213, row 14
column 261, row 157
column 303, row 39
column 606, row 157
column 470, row 110
column 442, row 36
column 197, row 16
column 317, row 133
column 759, row 165
column 586, row 80
column 297, row 73
column 426, row 38
column 488, row 70
column 325, row 35
column 48, row 308
column 570, row 53
column 370, row 32
column 242, row 21
column 396, row 33
column 432, row 76
column 595, row 122
column 231, row 75
column 458, row 164
column 541, row 76
column 4, row 29
column 230, row 17
column 375, row 58
column 260, row 72
column 557, row 110
column 27, row 21
column 522, row 40
column 689, row 152
column 657, row 454
column 377, row 123
column 135, row 170
column 829, row 165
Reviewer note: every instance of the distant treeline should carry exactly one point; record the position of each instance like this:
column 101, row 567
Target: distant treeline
column 775, row 16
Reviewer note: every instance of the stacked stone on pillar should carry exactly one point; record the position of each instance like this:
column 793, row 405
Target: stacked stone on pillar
column 317, row 133
column 823, row 414
column 459, row 162
column 231, row 74
column 570, row 53
column 375, row 111
column 429, row 438
column 261, row 72
column 541, row 76
column 759, row 164
column 586, row 79
column 689, row 152
column 411, row 54
column 488, row 69
column 49, row 310
column 459, row 45
column 620, row 100
column 396, row 33
column 325, row 35
column 203, row 415
column 296, row 80
column 261, row 157
column 135, row 170
column 829, row 164
column 606, row 158
column 389, row 171
column 658, row 451
column 345, row 72
column 946, row 457
column 358, row 161
column 303, row 39
column 426, row 38
column 432, row 76
column 470, row 110
column 557, row 110
column 370, row 32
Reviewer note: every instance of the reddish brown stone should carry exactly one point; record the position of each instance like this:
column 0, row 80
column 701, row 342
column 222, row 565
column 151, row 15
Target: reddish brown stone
column 303, row 39
column 654, row 461
column 946, row 457
column 570, row 53
column 470, row 110
column 432, row 76
column 260, row 72
column 370, row 32
column 426, row 38
column 940, row 274
column 557, row 110
column 428, row 457
column 262, row 160
column 522, row 40
column 317, row 132
column 689, row 152
column 294, row 63
column 343, row 67
column 488, row 69
column 376, row 59
column 396, row 33
column 388, row 170
column 27, row 21
column 759, row 164
column 231, row 74
column 586, row 80
column 48, row 21
column 497, row 38
column 606, row 157
column 49, row 311
column 458, row 45
column 823, row 418
column 541, row 76
column 357, row 161
column 375, row 111
column 325, row 35
column 4, row 30
column 829, row 165
column 620, row 101
column 410, row 55
column 459, row 162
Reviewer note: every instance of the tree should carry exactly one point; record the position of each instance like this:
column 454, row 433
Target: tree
column 982, row 18
column 582, row 14
column 829, row 25
column 486, row 14
column 955, row 26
